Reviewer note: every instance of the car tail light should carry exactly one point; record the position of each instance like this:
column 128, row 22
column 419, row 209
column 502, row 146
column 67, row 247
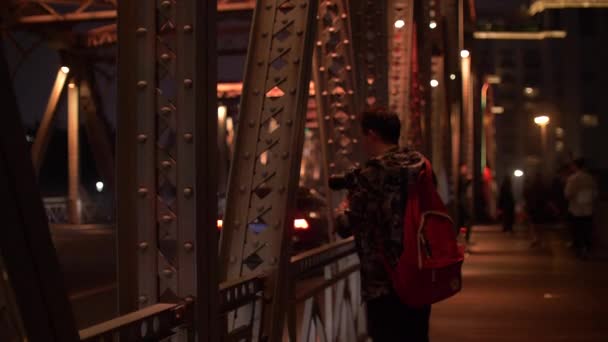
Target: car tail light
column 220, row 224
column 300, row 224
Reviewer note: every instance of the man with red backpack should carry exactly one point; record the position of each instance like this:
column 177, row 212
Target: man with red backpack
column 383, row 206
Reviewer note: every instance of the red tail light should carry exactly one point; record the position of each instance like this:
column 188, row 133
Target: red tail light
column 300, row 224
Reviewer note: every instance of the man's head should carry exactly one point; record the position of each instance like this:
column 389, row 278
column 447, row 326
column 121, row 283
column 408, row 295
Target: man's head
column 381, row 131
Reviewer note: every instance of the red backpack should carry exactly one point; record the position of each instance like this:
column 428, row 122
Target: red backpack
column 429, row 269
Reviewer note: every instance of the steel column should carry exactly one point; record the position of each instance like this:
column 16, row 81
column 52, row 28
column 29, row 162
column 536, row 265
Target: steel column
column 73, row 155
column 370, row 38
column 43, row 134
column 266, row 164
column 27, row 250
column 400, row 61
column 339, row 124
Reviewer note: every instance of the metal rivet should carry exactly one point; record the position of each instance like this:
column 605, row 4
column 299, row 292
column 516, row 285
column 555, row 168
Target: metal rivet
column 168, row 272
column 142, row 138
column 296, row 61
column 188, row 83
column 319, row 43
column 284, row 155
column 188, row 137
column 251, row 123
column 332, row 165
column 232, row 259
column 256, row 92
column 142, row 84
column 327, row 117
column 330, row 141
column 142, row 299
column 167, row 218
column 353, row 117
column 321, row 69
column 166, row 164
column 350, row 92
column 242, row 189
column 289, row 122
column 188, row 192
column 348, row 68
column 324, row 93
column 165, row 110
column 188, row 28
column 344, row 16
column 355, row 141
column 142, row 192
column 165, row 57
column 141, row 30
column 143, row 245
column 247, row 155
column 188, row 246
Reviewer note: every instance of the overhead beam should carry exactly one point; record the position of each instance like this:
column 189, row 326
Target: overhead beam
column 539, row 6
column 111, row 14
column 513, row 35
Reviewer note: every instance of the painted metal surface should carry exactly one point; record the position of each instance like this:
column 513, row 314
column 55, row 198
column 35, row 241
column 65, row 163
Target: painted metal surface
column 369, row 19
column 266, row 163
column 334, row 77
column 400, row 26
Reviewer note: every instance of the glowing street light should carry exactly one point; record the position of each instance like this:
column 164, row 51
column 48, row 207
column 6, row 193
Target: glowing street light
column 465, row 53
column 399, row 23
column 541, row 120
column 434, row 83
column 65, row 69
column 99, row 186
column 222, row 111
column 452, row 77
column 518, row 173
column 433, row 24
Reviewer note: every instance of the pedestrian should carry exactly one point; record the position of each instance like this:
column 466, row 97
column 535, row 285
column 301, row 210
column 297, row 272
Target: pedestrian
column 536, row 198
column 465, row 200
column 506, row 205
column 373, row 213
column 581, row 192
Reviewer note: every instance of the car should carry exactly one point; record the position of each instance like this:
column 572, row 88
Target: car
column 310, row 220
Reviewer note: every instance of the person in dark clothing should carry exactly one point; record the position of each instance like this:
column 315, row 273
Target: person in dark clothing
column 536, row 197
column 465, row 194
column 373, row 213
column 506, row 204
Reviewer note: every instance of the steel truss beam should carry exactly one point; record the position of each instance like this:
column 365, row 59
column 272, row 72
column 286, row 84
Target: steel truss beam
column 334, row 77
column 266, row 163
column 370, row 37
column 175, row 177
column 400, row 61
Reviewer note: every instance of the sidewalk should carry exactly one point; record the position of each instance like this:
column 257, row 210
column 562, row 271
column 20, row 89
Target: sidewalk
column 515, row 293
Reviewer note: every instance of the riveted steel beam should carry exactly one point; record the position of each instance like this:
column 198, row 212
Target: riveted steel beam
column 175, row 176
column 266, row 164
column 369, row 18
column 400, row 26
column 333, row 71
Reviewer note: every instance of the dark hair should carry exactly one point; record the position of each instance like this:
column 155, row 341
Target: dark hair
column 385, row 124
column 579, row 163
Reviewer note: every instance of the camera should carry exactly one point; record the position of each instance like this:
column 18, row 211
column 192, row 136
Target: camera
column 344, row 181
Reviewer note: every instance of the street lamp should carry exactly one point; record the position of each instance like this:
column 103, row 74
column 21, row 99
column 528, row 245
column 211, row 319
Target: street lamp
column 518, row 173
column 541, row 120
column 399, row 23
column 464, row 53
column 433, row 24
column 434, row 83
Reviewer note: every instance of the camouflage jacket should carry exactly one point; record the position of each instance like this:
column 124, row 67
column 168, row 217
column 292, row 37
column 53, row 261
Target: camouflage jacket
column 375, row 215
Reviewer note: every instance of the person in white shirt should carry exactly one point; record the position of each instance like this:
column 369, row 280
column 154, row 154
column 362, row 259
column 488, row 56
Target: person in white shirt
column 581, row 192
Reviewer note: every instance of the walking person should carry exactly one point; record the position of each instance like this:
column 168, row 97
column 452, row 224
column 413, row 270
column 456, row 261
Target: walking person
column 581, row 192
column 373, row 213
column 535, row 195
column 465, row 200
column 506, row 205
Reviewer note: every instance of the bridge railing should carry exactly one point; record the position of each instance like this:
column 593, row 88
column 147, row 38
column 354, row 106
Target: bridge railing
column 153, row 323
column 333, row 309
